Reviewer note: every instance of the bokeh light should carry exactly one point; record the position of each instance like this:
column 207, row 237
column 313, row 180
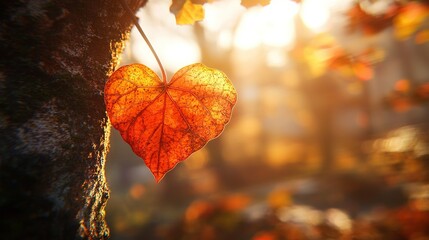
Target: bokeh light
column 315, row 14
column 176, row 46
column 272, row 25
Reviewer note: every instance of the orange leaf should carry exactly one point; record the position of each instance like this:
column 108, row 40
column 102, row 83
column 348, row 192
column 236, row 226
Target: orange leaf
column 166, row 122
column 363, row 71
column 198, row 210
column 187, row 12
column 252, row 3
column 423, row 91
column 369, row 24
column 422, row 37
column 279, row 198
column 410, row 19
column 403, row 86
column 201, row 1
column 235, row 202
column 265, row 235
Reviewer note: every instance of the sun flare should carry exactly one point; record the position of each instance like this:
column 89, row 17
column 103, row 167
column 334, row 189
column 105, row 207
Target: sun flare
column 272, row 25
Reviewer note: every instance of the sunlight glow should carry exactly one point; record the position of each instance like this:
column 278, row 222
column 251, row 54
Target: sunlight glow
column 376, row 7
column 315, row 14
column 175, row 52
column 300, row 214
column 275, row 58
column 279, row 27
column 271, row 25
column 248, row 32
column 222, row 15
column 220, row 20
column 175, row 45
column 224, row 39
column 339, row 219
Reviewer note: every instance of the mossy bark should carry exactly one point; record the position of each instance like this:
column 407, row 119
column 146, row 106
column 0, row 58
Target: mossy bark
column 55, row 59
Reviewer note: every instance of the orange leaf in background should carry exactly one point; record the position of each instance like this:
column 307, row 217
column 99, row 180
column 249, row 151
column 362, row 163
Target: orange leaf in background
column 409, row 19
column 166, row 122
column 137, row 191
column 423, row 91
column 198, row 210
column 402, row 86
column 279, row 198
column 252, row 3
column 372, row 55
column 187, row 12
column 234, row 203
column 400, row 103
column 369, row 24
column 200, row 1
column 422, row 37
column 363, row 71
column 264, row 235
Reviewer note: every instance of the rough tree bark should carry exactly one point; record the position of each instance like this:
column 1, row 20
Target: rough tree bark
column 55, row 58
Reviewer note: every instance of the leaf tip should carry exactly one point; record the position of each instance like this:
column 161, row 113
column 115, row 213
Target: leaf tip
column 158, row 176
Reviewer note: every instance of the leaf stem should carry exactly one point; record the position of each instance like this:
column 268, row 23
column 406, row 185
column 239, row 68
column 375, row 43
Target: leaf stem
column 139, row 28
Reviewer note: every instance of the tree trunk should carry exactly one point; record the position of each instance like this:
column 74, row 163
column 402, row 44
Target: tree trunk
column 54, row 133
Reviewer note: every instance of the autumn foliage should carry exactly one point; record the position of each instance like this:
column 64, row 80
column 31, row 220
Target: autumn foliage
column 405, row 17
column 166, row 122
column 191, row 11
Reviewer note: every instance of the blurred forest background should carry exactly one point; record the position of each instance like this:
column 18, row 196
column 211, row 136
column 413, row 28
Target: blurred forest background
column 329, row 138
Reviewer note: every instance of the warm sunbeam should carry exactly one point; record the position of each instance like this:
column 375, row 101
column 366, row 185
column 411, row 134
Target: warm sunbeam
column 175, row 45
column 314, row 14
column 271, row 25
column 279, row 29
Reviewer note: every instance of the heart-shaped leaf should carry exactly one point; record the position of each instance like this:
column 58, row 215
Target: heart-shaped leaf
column 166, row 122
